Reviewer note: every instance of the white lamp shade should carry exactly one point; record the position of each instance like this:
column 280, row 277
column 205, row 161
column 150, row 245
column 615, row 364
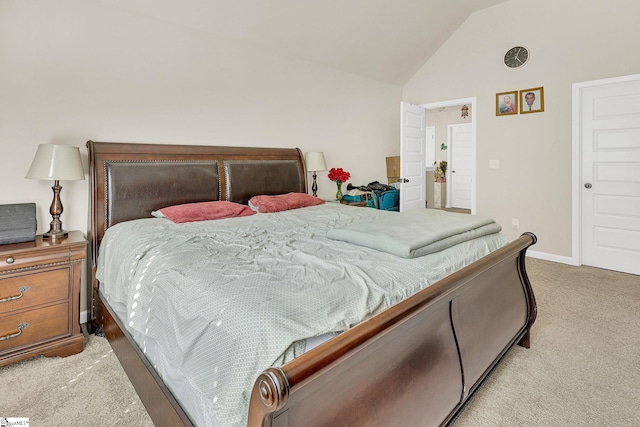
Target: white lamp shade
column 314, row 160
column 56, row 162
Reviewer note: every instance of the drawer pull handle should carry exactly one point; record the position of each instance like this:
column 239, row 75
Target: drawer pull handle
column 22, row 290
column 10, row 260
column 21, row 326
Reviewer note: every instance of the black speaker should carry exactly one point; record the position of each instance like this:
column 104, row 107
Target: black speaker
column 17, row 223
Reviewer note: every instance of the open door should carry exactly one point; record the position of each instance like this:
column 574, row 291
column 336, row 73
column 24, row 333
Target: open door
column 412, row 157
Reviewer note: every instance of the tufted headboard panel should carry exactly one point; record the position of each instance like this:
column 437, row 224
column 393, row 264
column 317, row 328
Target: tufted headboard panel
column 134, row 188
column 247, row 178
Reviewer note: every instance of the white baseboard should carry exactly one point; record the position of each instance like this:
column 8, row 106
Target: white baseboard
column 83, row 317
column 551, row 257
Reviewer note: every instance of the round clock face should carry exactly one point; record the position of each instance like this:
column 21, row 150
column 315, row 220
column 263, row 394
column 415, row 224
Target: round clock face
column 516, row 57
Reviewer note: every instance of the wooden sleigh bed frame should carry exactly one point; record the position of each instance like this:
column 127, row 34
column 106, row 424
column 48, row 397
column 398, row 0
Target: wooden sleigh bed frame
column 416, row 363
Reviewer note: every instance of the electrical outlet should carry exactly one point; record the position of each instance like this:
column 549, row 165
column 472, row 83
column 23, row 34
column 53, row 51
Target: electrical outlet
column 515, row 223
column 494, row 164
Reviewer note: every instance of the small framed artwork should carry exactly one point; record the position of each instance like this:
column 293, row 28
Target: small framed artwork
column 507, row 103
column 532, row 100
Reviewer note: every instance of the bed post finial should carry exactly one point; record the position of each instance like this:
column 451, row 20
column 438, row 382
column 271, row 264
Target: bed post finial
column 272, row 387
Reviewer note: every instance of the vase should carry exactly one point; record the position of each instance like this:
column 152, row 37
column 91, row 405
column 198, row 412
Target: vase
column 339, row 192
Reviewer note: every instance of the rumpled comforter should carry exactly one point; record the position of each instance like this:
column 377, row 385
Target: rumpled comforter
column 214, row 303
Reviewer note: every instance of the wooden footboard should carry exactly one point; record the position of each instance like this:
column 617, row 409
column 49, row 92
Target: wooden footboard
column 416, row 363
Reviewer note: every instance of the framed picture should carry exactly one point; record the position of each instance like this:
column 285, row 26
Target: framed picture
column 507, row 103
column 532, row 100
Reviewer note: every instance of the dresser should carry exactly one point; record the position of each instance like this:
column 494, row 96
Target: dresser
column 40, row 298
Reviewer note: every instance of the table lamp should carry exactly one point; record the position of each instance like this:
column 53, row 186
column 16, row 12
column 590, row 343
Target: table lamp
column 56, row 163
column 314, row 162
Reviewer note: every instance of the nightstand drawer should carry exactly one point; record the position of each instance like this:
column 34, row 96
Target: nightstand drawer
column 23, row 259
column 27, row 328
column 29, row 290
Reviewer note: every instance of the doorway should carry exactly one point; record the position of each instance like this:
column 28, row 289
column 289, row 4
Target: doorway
column 606, row 174
column 453, row 108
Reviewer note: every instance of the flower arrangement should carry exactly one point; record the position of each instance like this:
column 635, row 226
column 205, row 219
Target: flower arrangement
column 339, row 175
column 441, row 172
column 443, row 166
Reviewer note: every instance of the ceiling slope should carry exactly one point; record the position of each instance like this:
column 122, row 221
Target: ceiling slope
column 385, row 40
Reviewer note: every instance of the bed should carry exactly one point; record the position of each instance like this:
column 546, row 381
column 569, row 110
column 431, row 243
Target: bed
column 413, row 363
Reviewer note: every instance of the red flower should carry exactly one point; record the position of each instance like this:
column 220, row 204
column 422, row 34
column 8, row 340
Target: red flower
column 339, row 175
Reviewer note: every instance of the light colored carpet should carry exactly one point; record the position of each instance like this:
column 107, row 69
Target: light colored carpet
column 583, row 368
column 86, row 389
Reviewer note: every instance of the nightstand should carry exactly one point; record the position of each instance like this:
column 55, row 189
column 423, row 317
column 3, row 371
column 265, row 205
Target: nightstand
column 40, row 298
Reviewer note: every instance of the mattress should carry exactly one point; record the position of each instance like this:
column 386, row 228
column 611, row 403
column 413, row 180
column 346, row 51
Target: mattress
column 214, row 303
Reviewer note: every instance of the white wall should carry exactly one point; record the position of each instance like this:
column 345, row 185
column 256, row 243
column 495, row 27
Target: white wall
column 74, row 70
column 570, row 41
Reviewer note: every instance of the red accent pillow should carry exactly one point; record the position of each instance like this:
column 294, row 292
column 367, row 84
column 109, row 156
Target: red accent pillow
column 283, row 202
column 203, row 211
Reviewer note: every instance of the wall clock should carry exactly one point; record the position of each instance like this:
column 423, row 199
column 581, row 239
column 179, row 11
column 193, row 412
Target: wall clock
column 516, row 57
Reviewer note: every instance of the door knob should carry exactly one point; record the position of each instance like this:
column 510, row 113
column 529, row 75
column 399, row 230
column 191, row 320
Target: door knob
column 403, row 180
column 587, row 185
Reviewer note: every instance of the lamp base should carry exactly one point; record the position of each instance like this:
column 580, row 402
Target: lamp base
column 53, row 235
column 55, row 227
column 314, row 187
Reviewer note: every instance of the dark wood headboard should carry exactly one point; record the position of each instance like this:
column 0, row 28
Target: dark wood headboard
column 128, row 181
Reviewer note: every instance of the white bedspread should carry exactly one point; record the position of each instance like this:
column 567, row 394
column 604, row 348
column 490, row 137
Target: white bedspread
column 220, row 301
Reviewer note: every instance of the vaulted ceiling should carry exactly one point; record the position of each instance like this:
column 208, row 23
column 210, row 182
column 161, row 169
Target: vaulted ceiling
column 385, row 40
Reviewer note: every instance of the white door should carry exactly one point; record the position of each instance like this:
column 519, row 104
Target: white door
column 609, row 126
column 412, row 156
column 460, row 168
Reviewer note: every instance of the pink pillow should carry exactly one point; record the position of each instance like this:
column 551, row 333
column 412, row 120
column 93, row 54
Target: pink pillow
column 283, row 202
column 203, row 211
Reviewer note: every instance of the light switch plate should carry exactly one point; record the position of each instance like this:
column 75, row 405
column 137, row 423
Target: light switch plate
column 494, row 164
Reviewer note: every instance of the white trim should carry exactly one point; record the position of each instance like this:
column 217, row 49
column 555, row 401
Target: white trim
column 576, row 161
column 576, row 176
column 448, row 174
column 551, row 257
column 474, row 114
column 84, row 315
